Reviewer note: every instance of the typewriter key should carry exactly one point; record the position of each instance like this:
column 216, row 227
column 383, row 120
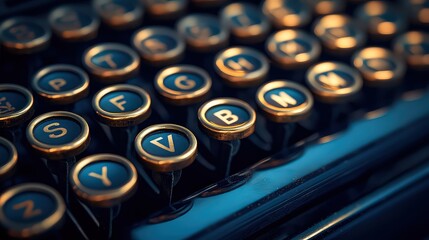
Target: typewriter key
column 165, row 9
column 418, row 11
column 287, row 13
column 74, row 23
column 166, row 149
column 159, row 45
column 8, row 158
column 119, row 14
column 226, row 121
column 16, row 105
column 203, row 32
column 104, row 181
column 325, row 7
column 245, row 22
column 293, row 48
column 241, row 66
column 59, row 136
column 334, row 85
column 111, row 62
column 284, row 103
column 31, row 210
column 382, row 19
column 379, row 66
column 24, row 35
column 414, row 47
column 122, row 107
column 339, row 34
column 61, row 84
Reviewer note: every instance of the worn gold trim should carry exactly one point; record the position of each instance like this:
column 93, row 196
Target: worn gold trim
column 122, row 119
column 121, row 21
column 182, row 97
column 18, row 117
column 103, row 198
column 166, row 164
column 56, row 152
column 10, row 165
column 227, row 133
column 65, row 97
column 291, row 114
column 22, row 230
column 111, row 75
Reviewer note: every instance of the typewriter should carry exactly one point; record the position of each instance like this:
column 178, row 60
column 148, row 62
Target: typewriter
column 214, row 119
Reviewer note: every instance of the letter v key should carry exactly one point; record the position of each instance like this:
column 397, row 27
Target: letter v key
column 170, row 147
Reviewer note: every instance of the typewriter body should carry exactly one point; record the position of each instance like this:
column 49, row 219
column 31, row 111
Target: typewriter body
column 214, row 119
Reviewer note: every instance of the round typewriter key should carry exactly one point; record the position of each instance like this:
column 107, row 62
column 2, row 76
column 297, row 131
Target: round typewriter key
column 166, row 149
column 293, row 48
column 226, row 120
column 30, row 210
column 382, row 19
column 414, row 47
column 379, row 66
column 119, row 14
column 245, row 21
column 73, row 23
column 61, row 84
column 165, row 9
column 202, row 32
column 284, row 103
column 325, row 7
column 16, row 105
column 58, row 135
column 111, row 62
column 183, row 84
column 122, row 105
column 241, row 66
column 23, row 35
column 332, row 81
column 339, row 33
column 104, row 180
column 158, row 45
column 8, row 158
column 287, row 13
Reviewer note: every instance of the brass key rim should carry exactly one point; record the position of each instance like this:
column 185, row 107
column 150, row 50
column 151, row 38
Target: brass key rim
column 291, row 20
column 166, row 164
column 84, row 33
column 165, row 10
column 301, row 59
column 11, row 163
column 20, row 230
column 337, row 94
column 240, row 78
column 64, row 97
column 104, row 198
column 122, row 119
column 182, row 97
column 25, row 47
column 18, row 117
column 122, row 21
column 278, row 114
column 227, row 133
column 58, row 152
column 108, row 75
column 417, row 61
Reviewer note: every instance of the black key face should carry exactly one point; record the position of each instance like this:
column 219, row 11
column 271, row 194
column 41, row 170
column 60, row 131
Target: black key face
column 28, row 210
column 61, row 84
column 8, row 157
column 24, row 35
column 104, row 179
column 166, row 147
column 16, row 105
column 57, row 135
column 122, row 105
column 73, row 23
